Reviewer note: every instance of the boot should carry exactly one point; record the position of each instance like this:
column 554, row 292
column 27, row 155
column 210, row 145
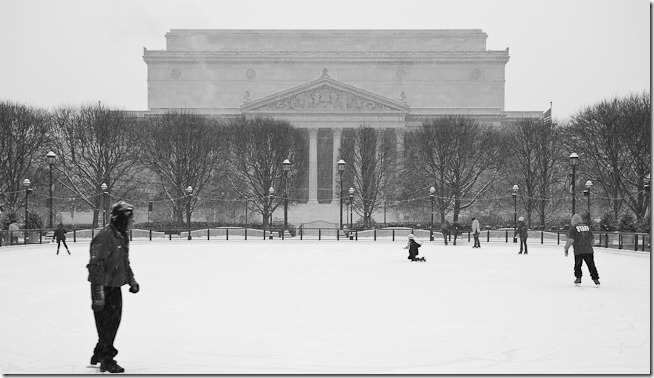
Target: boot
column 94, row 360
column 596, row 282
column 110, row 365
column 578, row 280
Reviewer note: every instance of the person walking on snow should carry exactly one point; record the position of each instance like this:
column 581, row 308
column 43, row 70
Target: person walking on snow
column 476, row 229
column 60, row 235
column 522, row 231
column 109, row 269
column 581, row 238
column 445, row 229
column 412, row 246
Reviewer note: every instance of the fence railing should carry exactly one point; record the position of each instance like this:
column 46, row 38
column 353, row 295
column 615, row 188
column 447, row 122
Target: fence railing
column 617, row 240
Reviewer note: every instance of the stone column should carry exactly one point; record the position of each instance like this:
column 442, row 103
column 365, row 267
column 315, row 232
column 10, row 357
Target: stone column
column 336, row 134
column 313, row 166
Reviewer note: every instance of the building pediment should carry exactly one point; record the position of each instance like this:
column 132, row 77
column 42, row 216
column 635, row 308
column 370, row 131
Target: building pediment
column 324, row 94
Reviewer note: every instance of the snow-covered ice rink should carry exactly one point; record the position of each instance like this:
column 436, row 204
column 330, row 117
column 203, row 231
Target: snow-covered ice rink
column 332, row 307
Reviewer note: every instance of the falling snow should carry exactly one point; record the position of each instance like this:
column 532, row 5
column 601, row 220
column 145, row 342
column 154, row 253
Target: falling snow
column 328, row 307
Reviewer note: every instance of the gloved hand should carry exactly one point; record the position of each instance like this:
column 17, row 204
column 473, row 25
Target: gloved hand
column 97, row 297
column 134, row 286
column 566, row 252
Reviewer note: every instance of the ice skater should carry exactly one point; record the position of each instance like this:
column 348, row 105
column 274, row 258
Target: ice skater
column 60, row 235
column 412, row 245
column 109, row 269
column 522, row 232
column 445, row 229
column 476, row 229
column 581, row 238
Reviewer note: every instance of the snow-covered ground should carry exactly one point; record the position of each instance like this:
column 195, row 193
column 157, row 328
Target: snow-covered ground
column 328, row 307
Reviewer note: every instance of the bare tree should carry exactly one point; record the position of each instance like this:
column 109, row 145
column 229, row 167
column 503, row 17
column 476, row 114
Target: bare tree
column 23, row 132
column 182, row 149
column 613, row 140
column 535, row 165
column 457, row 156
column 256, row 149
column 372, row 157
column 636, row 135
column 95, row 145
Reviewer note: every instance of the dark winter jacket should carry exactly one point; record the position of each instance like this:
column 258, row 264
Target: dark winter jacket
column 522, row 230
column 60, row 233
column 581, row 235
column 109, row 264
column 445, row 227
column 413, row 249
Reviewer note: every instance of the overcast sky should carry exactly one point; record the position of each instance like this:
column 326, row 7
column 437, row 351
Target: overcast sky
column 571, row 52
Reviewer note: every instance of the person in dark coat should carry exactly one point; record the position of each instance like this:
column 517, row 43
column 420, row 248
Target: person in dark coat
column 581, row 238
column 445, row 229
column 522, row 232
column 413, row 246
column 455, row 230
column 60, row 235
column 109, row 269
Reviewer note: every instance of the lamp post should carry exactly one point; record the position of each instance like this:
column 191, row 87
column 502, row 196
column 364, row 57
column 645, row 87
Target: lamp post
column 26, row 184
column 271, row 192
column 589, row 184
column 104, row 203
column 51, row 158
column 351, row 191
column 574, row 160
column 189, row 195
column 647, row 196
column 515, row 211
column 432, row 190
column 286, row 166
column 341, row 170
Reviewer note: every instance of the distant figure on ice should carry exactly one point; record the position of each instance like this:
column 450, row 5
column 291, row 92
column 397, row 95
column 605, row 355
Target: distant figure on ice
column 521, row 231
column 455, row 230
column 445, row 229
column 109, row 269
column 60, row 235
column 581, row 238
column 412, row 245
column 476, row 229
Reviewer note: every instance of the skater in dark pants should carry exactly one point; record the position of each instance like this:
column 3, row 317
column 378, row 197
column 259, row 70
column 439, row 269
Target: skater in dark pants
column 109, row 269
column 445, row 229
column 413, row 246
column 522, row 232
column 455, row 230
column 581, row 238
column 476, row 229
column 60, row 235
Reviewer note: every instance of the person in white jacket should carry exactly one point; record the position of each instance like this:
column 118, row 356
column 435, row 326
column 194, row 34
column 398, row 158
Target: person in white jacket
column 476, row 229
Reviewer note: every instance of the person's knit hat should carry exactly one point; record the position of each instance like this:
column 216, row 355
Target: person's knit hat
column 576, row 219
column 521, row 219
column 410, row 236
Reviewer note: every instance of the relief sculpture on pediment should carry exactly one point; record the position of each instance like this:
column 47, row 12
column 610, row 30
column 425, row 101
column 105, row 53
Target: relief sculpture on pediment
column 325, row 98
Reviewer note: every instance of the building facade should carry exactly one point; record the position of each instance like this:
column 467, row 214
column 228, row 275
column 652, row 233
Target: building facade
column 328, row 81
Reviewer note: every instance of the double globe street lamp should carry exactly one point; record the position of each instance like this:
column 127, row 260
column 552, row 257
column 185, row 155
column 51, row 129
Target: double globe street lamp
column 341, row 170
column 286, row 166
column 104, row 203
column 189, row 195
column 574, row 161
column 515, row 211
column 51, row 158
column 432, row 190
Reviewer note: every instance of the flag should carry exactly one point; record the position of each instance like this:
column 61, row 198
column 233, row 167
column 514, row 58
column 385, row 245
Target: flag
column 547, row 115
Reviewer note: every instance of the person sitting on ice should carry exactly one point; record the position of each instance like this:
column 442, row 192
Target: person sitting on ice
column 412, row 245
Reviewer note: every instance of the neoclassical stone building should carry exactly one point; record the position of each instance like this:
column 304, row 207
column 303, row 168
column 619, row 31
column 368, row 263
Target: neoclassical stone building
column 327, row 81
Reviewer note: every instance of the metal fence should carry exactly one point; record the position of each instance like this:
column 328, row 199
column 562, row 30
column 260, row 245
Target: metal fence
column 617, row 240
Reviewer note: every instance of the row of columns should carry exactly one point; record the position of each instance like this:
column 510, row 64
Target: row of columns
column 336, row 146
